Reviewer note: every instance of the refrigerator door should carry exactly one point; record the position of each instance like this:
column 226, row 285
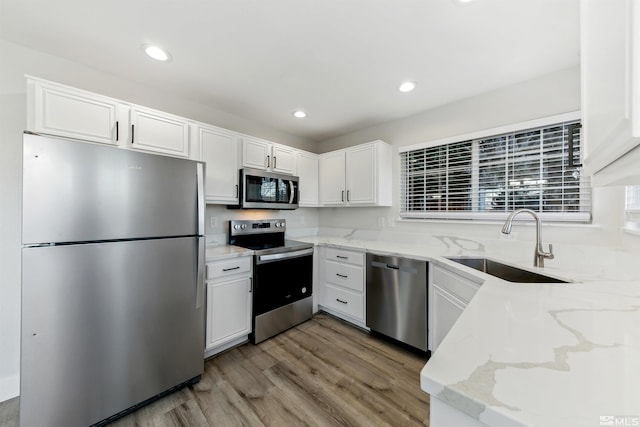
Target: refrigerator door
column 76, row 192
column 106, row 326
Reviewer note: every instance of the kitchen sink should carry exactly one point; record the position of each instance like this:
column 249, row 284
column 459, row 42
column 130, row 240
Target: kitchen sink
column 504, row 271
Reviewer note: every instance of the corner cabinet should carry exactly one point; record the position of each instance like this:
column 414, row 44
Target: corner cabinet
column 307, row 166
column 261, row 154
column 219, row 149
column 610, row 68
column 449, row 294
column 229, row 299
column 342, row 279
column 356, row 176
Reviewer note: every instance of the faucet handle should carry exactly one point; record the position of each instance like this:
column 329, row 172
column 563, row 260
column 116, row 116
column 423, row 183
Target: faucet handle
column 550, row 253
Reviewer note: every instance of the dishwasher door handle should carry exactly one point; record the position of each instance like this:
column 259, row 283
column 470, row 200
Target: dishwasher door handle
column 386, row 266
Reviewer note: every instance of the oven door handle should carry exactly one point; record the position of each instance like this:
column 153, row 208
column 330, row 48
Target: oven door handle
column 283, row 256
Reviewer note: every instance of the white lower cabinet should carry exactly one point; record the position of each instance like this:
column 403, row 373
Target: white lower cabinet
column 229, row 291
column 449, row 294
column 342, row 289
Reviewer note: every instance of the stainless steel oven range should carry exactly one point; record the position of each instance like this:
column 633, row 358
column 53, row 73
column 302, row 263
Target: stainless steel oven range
column 282, row 276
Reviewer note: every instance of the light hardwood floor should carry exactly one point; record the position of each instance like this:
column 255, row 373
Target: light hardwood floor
column 321, row 373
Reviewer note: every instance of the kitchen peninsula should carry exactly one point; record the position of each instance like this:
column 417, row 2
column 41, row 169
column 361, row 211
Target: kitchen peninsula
column 513, row 340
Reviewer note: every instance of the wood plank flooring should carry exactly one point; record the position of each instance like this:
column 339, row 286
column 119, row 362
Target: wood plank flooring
column 321, row 373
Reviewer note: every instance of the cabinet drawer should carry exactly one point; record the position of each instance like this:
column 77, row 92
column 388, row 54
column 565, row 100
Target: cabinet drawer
column 347, row 302
column 458, row 286
column 345, row 275
column 228, row 267
column 349, row 257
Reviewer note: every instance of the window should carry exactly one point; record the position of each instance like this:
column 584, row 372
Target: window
column 489, row 175
column 632, row 206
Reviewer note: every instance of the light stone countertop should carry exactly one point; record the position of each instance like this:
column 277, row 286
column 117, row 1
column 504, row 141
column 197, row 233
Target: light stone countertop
column 218, row 252
column 533, row 354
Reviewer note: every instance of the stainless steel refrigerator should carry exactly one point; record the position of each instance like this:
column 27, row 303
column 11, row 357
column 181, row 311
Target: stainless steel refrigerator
column 112, row 283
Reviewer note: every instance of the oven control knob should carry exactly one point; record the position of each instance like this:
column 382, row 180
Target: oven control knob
column 236, row 227
column 277, row 224
column 244, row 226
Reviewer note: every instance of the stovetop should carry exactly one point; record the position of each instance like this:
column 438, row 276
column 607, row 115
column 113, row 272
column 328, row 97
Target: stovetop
column 263, row 236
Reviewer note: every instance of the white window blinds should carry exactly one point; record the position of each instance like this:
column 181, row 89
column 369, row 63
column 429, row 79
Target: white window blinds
column 632, row 205
column 485, row 178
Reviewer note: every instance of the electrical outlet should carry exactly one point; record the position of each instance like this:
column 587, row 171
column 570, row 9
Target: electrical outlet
column 213, row 222
column 382, row 222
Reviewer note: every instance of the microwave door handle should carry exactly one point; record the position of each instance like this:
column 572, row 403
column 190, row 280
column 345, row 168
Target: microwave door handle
column 293, row 192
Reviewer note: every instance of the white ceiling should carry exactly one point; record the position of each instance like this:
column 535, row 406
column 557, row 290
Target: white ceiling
column 339, row 60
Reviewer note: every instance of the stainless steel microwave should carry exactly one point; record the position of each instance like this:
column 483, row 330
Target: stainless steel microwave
column 266, row 190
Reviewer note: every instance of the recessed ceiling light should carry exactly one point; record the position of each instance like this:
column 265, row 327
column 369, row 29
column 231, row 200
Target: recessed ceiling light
column 407, row 86
column 156, row 52
column 299, row 114
column 464, row 1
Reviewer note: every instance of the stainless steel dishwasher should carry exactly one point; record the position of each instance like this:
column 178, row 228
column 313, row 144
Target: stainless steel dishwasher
column 397, row 298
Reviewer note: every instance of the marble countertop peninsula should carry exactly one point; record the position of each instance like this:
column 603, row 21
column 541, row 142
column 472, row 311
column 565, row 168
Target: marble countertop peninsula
column 531, row 354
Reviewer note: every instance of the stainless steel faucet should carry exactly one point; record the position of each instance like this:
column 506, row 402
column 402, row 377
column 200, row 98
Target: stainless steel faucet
column 539, row 255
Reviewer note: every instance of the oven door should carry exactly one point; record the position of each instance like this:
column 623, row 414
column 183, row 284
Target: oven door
column 281, row 278
column 265, row 190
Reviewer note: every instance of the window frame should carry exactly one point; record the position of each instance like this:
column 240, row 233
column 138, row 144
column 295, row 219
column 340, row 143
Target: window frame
column 474, row 214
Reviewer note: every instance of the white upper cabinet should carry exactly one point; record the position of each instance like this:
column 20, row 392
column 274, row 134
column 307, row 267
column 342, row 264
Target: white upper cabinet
column 283, row 159
column 610, row 67
column 159, row 132
column 332, row 178
column 65, row 111
column 265, row 155
column 356, row 176
column 256, row 153
column 219, row 149
column 308, row 173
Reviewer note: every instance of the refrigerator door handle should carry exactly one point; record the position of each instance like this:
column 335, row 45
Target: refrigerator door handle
column 201, row 202
column 200, row 275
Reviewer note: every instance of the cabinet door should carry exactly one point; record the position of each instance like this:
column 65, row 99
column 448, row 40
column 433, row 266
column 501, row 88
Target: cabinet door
column 256, row 153
column 63, row 111
column 159, row 132
column 332, row 178
column 610, row 67
column 219, row 149
column 361, row 175
column 308, row 174
column 228, row 311
column 444, row 310
column 283, row 159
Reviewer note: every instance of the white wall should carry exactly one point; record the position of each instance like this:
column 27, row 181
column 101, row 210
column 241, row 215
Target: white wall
column 549, row 95
column 17, row 61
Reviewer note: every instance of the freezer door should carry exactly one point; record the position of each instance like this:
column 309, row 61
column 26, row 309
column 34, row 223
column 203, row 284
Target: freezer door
column 106, row 326
column 76, row 192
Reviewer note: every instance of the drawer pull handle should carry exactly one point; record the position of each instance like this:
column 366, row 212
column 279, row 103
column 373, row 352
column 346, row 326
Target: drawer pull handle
column 342, row 302
column 341, row 275
column 232, row 268
column 342, row 257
